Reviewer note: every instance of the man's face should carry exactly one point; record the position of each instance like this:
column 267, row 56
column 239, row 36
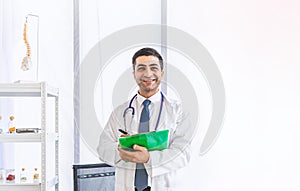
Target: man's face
column 147, row 74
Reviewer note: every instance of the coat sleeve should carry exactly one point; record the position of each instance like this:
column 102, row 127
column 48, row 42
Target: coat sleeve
column 179, row 152
column 109, row 141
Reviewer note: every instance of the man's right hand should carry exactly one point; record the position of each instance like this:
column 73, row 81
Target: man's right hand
column 125, row 135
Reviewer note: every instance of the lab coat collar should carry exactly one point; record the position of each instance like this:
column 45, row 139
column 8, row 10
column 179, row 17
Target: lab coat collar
column 155, row 98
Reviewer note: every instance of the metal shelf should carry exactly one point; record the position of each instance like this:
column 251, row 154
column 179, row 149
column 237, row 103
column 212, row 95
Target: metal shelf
column 20, row 186
column 26, row 137
column 43, row 137
column 27, row 186
column 26, row 90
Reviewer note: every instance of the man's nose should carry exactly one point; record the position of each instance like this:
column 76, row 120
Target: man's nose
column 148, row 72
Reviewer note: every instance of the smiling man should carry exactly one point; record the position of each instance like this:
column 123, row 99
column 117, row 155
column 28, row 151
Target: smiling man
column 147, row 71
column 149, row 110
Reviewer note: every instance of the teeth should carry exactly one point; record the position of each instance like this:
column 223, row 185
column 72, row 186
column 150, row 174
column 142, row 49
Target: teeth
column 150, row 80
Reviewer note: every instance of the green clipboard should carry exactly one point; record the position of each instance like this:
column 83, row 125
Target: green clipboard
column 156, row 140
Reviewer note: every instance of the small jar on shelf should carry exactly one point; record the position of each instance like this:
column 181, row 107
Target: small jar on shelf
column 1, row 125
column 11, row 125
column 3, row 128
column 36, row 176
column 2, row 175
column 10, row 176
column 23, row 175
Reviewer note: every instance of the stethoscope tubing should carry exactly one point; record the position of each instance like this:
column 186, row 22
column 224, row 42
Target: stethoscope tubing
column 133, row 110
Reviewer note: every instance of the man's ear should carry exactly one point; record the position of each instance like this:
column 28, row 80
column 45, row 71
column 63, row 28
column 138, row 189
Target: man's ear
column 133, row 74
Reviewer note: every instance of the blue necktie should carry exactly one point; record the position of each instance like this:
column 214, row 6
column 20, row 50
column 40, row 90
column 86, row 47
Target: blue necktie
column 141, row 176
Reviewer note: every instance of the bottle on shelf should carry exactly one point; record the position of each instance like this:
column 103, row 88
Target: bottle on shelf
column 10, row 176
column 11, row 125
column 36, row 176
column 2, row 175
column 1, row 125
column 23, row 175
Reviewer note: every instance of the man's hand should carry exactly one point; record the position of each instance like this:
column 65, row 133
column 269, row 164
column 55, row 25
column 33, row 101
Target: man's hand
column 138, row 155
column 125, row 135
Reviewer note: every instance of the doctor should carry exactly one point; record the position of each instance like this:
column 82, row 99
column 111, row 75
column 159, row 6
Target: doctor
column 139, row 169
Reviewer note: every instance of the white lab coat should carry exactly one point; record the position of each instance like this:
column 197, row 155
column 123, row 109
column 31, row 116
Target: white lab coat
column 162, row 165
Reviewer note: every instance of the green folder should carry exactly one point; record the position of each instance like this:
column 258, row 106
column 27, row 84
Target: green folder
column 156, row 140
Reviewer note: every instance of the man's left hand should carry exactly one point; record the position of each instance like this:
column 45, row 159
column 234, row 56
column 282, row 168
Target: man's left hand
column 138, row 155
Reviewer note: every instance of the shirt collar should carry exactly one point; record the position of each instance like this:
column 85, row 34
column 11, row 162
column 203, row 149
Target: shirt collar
column 155, row 98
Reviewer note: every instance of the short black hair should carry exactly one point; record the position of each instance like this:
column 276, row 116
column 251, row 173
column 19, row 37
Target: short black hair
column 147, row 52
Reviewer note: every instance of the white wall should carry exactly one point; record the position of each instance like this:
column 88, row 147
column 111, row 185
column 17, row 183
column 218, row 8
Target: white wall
column 98, row 19
column 56, row 67
column 254, row 44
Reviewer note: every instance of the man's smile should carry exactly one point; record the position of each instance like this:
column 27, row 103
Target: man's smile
column 149, row 80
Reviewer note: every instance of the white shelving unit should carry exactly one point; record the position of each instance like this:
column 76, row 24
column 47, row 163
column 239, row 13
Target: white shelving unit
column 45, row 138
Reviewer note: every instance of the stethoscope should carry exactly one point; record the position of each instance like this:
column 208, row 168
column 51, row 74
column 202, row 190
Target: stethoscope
column 130, row 107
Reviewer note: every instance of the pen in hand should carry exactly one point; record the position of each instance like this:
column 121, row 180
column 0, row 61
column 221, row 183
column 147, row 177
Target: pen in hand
column 122, row 131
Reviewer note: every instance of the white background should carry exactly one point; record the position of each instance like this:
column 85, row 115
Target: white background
column 56, row 67
column 255, row 45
